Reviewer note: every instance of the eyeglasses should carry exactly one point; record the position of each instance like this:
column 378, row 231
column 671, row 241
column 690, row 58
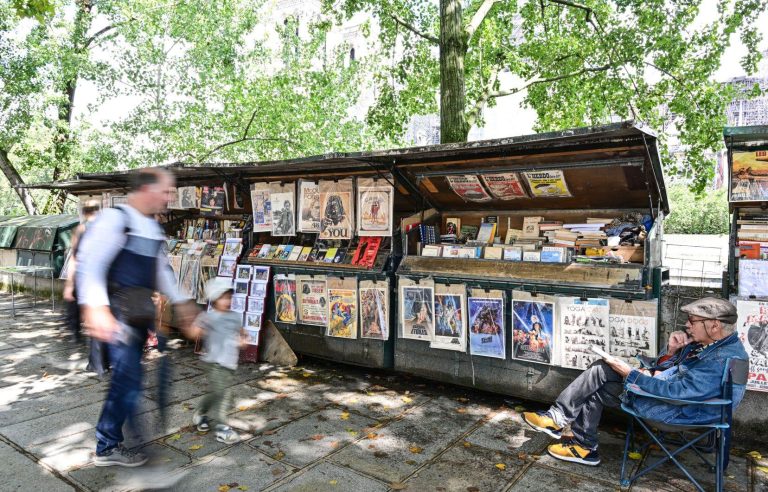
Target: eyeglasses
column 694, row 321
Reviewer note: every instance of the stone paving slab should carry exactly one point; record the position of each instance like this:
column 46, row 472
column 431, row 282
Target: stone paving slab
column 239, row 465
column 404, row 445
column 18, row 472
column 305, row 440
column 275, row 410
column 669, row 474
column 376, row 403
column 537, row 479
column 163, row 461
column 326, row 477
column 19, row 409
column 463, row 468
column 507, row 432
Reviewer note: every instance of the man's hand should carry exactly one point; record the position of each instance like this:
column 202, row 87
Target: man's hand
column 677, row 340
column 622, row 368
column 100, row 323
column 69, row 293
column 186, row 312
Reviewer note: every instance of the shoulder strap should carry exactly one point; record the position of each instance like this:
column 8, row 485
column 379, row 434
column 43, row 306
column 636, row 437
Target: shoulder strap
column 126, row 217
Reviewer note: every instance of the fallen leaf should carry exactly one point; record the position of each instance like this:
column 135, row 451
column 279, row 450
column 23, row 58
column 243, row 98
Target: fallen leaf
column 522, row 456
column 195, row 447
column 223, row 488
column 269, row 432
column 279, row 455
column 276, row 472
column 233, row 485
column 317, row 437
column 243, row 408
column 380, row 454
column 306, row 374
column 763, row 469
column 410, row 462
column 467, row 444
column 371, row 446
column 501, row 466
column 519, row 409
column 461, row 410
column 462, row 400
column 334, row 444
column 281, row 396
column 352, row 432
column 333, row 482
column 175, row 437
column 473, row 489
column 756, row 455
column 407, row 399
column 242, row 487
column 415, row 449
column 371, row 435
column 344, row 415
column 398, row 486
column 634, row 455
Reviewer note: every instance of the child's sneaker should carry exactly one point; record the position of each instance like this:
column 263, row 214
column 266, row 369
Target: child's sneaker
column 225, row 434
column 202, row 423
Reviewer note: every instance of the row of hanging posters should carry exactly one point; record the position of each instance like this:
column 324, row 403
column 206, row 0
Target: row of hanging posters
column 545, row 329
column 343, row 306
column 509, row 186
column 752, row 326
column 325, row 207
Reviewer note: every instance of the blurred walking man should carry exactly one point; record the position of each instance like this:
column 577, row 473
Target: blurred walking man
column 122, row 262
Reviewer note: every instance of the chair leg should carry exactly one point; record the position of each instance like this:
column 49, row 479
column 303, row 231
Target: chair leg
column 630, row 438
column 719, row 461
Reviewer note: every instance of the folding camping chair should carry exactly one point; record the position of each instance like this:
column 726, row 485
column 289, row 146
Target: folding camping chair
column 701, row 438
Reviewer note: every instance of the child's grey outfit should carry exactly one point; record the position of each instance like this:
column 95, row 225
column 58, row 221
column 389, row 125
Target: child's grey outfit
column 222, row 350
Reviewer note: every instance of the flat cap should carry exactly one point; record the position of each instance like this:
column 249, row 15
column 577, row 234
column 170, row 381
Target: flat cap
column 712, row 308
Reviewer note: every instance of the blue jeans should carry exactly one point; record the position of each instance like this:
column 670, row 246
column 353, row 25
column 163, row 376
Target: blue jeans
column 123, row 396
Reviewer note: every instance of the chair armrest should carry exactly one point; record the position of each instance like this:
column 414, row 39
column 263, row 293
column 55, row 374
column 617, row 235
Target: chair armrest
column 634, row 389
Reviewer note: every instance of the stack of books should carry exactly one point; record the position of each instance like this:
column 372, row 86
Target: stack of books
column 752, row 235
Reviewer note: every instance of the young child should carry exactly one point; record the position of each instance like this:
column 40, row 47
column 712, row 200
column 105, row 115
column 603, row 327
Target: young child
column 223, row 332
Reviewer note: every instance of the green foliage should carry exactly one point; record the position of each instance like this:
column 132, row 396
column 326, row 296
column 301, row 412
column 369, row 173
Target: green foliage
column 690, row 213
column 581, row 64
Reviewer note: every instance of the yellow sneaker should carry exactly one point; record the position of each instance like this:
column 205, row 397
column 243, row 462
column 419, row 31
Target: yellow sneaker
column 542, row 422
column 570, row 451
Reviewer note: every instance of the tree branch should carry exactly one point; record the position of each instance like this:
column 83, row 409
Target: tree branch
column 98, row 34
column 479, row 16
column 539, row 80
column 676, row 79
column 414, row 29
column 241, row 140
column 474, row 113
column 567, row 3
column 16, row 182
column 250, row 122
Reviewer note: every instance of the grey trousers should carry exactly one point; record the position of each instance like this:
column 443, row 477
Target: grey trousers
column 581, row 403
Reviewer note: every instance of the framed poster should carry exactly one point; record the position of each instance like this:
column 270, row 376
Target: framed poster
column 262, row 207
column 374, row 309
column 283, row 199
column 450, row 318
column 749, row 176
column 285, row 298
column 336, row 214
column 583, row 323
column 313, row 300
column 486, row 323
column 417, row 304
column 533, row 328
column 375, row 205
column 309, row 206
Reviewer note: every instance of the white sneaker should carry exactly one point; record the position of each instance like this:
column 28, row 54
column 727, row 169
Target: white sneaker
column 225, row 434
column 202, row 423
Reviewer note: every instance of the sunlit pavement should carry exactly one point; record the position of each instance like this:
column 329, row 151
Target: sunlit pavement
column 315, row 428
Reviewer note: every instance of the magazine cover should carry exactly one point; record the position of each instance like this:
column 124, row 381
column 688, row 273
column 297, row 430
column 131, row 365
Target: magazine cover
column 213, row 197
column 336, row 215
column 752, row 326
column 632, row 330
column 375, row 205
column 262, row 208
column 187, row 197
column 450, row 318
column 486, row 323
column 313, row 300
column 533, row 328
column 285, row 298
column 583, row 322
column 374, row 309
column 309, row 206
column 417, row 317
column 283, row 200
column 548, row 184
column 504, row 186
column 469, row 188
column 342, row 307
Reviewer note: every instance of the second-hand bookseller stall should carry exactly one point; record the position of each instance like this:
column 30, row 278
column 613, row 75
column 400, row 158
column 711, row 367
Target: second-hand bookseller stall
column 746, row 282
column 530, row 252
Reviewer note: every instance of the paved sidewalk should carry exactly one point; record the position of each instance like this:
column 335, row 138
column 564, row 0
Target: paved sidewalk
column 320, row 427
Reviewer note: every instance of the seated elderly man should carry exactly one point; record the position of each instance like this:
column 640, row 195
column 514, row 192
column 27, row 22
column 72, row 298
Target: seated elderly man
column 691, row 368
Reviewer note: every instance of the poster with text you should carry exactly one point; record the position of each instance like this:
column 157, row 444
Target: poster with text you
column 752, row 326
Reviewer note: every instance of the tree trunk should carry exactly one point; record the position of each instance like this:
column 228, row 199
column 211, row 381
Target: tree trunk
column 453, row 48
column 15, row 179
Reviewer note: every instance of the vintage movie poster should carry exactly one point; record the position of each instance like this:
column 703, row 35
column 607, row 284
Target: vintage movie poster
column 504, row 186
column 533, row 329
column 213, row 197
column 313, row 300
column 753, row 278
column 374, row 309
column 342, row 308
column 450, row 318
column 486, row 323
column 285, row 298
column 416, row 309
column 549, row 184
column 749, row 176
column 469, row 188
column 309, row 206
column 187, row 197
column 752, row 326
column 283, row 199
column 336, row 214
column 583, row 323
column 375, row 205
column 262, row 207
